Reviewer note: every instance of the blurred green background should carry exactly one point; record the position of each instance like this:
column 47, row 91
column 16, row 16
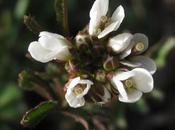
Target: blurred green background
column 155, row 18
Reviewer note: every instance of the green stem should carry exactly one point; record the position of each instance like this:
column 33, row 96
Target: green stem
column 62, row 16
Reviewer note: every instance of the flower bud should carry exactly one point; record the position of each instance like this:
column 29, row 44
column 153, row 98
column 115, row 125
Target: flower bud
column 111, row 63
column 82, row 39
column 50, row 46
column 100, row 76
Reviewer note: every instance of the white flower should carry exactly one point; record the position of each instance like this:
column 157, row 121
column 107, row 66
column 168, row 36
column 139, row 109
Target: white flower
column 126, row 43
column 50, row 46
column 123, row 44
column 100, row 25
column 76, row 90
column 132, row 84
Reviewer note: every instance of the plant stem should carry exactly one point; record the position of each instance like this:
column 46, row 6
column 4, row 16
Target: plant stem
column 61, row 9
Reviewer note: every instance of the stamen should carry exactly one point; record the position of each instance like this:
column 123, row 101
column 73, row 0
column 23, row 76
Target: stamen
column 140, row 46
column 129, row 83
column 78, row 89
column 104, row 21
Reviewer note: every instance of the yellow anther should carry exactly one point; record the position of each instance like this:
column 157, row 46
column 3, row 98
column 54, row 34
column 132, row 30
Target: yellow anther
column 129, row 83
column 104, row 21
column 78, row 90
column 140, row 46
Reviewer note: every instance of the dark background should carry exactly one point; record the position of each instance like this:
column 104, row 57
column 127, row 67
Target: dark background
column 155, row 18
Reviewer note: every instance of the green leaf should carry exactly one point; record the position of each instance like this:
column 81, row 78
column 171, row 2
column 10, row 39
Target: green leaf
column 163, row 52
column 9, row 95
column 35, row 115
column 62, row 16
column 21, row 8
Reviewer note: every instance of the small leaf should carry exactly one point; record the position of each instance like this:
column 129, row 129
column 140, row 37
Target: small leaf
column 9, row 94
column 62, row 16
column 163, row 52
column 35, row 115
column 21, row 8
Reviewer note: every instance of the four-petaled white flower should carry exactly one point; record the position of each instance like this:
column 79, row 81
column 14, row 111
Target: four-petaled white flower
column 100, row 25
column 76, row 90
column 132, row 84
column 123, row 44
column 50, row 46
column 128, row 43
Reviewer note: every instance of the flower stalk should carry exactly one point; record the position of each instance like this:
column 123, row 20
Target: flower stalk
column 61, row 9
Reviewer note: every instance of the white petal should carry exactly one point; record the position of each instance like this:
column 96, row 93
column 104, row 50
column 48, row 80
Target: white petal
column 74, row 101
column 130, row 64
column 100, row 7
column 125, row 53
column 118, row 14
column 73, row 83
column 118, row 17
column 143, row 80
column 108, row 29
column 93, row 24
column 123, row 75
column 141, row 62
column 133, row 96
column 49, row 34
column 52, row 43
column 39, row 53
column 120, row 42
column 119, row 86
column 84, row 92
column 76, row 81
column 63, row 54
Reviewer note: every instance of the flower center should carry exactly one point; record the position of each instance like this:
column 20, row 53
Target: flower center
column 129, row 83
column 140, row 46
column 78, row 89
column 104, row 21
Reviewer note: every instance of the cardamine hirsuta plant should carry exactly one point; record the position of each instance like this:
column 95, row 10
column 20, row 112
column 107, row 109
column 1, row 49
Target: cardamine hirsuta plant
column 96, row 65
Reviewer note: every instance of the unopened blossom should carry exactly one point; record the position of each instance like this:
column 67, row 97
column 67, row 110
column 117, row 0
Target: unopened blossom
column 50, row 46
column 132, row 84
column 76, row 90
column 100, row 24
